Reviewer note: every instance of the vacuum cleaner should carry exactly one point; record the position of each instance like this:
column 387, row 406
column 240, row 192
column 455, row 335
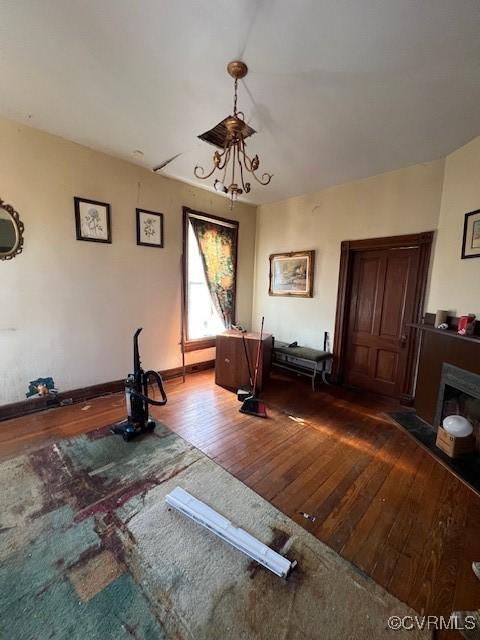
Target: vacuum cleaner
column 136, row 398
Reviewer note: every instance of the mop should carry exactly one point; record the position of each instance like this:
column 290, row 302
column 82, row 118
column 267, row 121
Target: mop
column 252, row 405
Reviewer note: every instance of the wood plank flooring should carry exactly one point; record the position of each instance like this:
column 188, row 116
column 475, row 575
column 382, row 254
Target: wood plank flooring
column 379, row 500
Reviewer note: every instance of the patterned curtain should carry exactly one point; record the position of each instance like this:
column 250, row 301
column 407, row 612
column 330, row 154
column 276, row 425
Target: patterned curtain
column 217, row 244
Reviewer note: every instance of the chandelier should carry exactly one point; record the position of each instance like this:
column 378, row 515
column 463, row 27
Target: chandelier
column 232, row 162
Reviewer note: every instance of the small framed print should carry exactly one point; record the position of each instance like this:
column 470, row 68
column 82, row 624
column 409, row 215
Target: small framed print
column 291, row 274
column 149, row 228
column 92, row 220
column 471, row 235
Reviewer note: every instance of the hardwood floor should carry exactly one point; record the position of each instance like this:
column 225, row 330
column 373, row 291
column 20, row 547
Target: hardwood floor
column 378, row 499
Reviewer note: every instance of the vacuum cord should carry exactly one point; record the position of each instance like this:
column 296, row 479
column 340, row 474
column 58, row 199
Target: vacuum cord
column 158, row 380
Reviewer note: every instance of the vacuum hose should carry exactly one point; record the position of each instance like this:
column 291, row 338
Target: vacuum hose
column 159, row 381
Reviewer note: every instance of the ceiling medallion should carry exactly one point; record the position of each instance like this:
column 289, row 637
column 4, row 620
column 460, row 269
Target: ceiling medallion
column 229, row 135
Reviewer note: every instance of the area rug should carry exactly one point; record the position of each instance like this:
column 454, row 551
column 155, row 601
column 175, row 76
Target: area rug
column 89, row 550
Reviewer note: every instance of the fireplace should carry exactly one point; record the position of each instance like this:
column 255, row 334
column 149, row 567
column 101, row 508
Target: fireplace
column 438, row 348
column 448, row 382
column 459, row 393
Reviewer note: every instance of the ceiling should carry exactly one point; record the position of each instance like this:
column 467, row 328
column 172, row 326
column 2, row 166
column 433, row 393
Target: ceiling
column 336, row 90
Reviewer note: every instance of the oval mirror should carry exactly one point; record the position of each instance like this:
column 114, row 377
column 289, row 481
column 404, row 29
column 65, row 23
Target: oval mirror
column 11, row 232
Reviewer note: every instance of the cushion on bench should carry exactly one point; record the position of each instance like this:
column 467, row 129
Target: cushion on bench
column 305, row 353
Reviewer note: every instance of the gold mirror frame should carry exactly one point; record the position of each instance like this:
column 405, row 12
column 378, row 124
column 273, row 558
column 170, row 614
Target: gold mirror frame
column 19, row 227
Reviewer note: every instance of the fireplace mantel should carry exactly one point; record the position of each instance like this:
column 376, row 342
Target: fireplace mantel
column 447, row 333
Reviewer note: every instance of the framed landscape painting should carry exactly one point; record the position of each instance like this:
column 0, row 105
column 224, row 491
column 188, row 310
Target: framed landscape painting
column 149, row 228
column 471, row 235
column 291, row 274
column 92, row 220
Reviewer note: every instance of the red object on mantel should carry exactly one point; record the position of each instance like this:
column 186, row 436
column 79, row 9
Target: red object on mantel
column 465, row 325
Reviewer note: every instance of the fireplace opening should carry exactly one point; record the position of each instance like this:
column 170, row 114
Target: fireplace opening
column 459, row 394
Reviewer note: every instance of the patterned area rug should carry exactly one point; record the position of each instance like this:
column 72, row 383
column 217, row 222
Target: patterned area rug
column 89, row 550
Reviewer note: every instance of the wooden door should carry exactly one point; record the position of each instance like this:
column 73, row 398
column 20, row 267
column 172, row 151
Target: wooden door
column 382, row 303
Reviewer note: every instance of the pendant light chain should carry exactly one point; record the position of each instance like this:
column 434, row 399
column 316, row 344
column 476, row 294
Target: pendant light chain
column 235, row 97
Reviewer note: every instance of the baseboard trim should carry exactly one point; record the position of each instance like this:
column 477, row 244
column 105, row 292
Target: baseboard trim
column 25, row 407
column 407, row 400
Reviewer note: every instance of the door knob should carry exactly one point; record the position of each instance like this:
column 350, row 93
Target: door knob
column 403, row 340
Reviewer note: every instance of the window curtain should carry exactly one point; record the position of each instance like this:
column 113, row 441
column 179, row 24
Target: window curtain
column 217, row 244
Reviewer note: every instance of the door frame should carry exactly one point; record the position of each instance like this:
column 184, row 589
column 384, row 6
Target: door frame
column 348, row 248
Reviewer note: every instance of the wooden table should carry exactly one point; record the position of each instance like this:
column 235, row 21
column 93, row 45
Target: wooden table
column 231, row 369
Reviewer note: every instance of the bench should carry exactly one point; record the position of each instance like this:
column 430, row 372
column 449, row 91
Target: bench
column 303, row 361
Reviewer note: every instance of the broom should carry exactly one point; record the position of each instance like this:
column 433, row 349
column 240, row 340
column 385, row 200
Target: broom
column 252, row 405
column 247, row 390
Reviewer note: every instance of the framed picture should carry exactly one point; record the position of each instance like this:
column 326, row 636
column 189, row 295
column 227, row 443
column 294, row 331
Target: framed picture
column 291, row 274
column 149, row 228
column 92, row 220
column 471, row 235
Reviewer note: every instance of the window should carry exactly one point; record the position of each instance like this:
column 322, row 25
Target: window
column 209, row 271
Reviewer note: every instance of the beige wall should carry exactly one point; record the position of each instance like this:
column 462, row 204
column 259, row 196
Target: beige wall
column 455, row 283
column 69, row 308
column 400, row 202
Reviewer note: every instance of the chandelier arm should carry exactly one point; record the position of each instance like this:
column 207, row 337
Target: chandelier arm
column 201, row 176
column 229, row 152
column 233, row 163
column 225, row 155
column 241, row 177
column 247, row 161
column 266, row 177
column 224, row 168
column 221, row 165
column 264, row 180
column 245, row 185
column 217, row 164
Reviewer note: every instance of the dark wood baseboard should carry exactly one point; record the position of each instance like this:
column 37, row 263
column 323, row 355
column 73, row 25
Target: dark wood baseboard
column 168, row 374
column 24, row 407
column 407, row 399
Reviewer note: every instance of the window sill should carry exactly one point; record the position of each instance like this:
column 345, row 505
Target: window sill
column 201, row 343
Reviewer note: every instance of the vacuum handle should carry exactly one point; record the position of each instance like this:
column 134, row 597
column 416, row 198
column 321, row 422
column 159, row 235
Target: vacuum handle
column 136, row 353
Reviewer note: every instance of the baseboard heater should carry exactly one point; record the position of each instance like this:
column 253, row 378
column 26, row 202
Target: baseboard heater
column 197, row 510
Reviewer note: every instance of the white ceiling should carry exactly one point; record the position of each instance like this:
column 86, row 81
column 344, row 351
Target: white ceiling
column 337, row 89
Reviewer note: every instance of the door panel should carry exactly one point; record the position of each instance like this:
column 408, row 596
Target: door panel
column 381, row 306
column 386, row 368
column 396, row 277
column 366, row 294
column 360, row 358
